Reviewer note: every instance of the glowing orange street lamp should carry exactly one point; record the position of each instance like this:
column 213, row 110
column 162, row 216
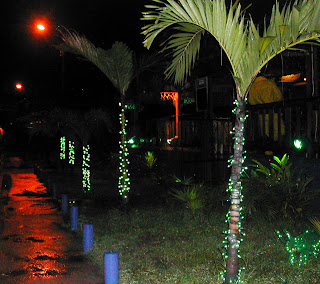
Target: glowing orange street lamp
column 19, row 86
column 41, row 27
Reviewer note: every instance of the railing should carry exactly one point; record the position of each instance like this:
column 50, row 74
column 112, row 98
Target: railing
column 280, row 123
column 274, row 125
column 211, row 136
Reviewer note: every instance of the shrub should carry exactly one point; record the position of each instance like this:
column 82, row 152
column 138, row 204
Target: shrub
column 189, row 193
column 276, row 190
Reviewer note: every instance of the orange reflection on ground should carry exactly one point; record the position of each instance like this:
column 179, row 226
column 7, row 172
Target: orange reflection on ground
column 33, row 230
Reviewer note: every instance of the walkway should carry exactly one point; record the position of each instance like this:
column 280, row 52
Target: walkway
column 35, row 244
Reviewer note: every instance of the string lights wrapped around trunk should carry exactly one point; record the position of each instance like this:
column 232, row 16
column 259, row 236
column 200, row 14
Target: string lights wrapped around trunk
column 234, row 234
column 124, row 177
column 62, row 148
column 71, row 153
column 86, row 175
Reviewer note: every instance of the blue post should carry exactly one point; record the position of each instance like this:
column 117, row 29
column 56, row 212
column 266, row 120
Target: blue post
column 74, row 217
column 111, row 268
column 64, row 203
column 87, row 237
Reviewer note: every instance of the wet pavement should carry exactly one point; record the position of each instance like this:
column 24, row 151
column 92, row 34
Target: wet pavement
column 36, row 246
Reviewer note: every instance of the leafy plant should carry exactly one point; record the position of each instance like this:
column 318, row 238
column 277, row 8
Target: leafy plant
column 191, row 195
column 150, row 159
column 276, row 190
column 184, row 181
column 316, row 224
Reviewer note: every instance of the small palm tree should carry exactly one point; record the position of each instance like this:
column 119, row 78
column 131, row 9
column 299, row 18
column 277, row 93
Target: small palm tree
column 117, row 65
column 247, row 52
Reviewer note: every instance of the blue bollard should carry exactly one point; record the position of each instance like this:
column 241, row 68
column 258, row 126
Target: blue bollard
column 111, row 268
column 87, row 237
column 74, row 217
column 64, row 203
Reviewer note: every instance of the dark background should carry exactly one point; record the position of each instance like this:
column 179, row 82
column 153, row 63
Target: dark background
column 102, row 22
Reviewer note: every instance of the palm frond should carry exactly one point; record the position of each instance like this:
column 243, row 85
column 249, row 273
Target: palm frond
column 316, row 224
column 185, row 46
column 246, row 50
column 116, row 63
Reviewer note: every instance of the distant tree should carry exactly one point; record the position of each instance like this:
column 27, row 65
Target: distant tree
column 247, row 52
column 74, row 125
column 117, row 65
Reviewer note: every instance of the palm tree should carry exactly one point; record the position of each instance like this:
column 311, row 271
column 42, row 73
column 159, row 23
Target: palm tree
column 117, row 65
column 83, row 126
column 247, row 52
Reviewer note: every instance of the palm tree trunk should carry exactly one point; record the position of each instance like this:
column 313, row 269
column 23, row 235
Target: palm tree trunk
column 86, row 172
column 234, row 231
column 124, row 180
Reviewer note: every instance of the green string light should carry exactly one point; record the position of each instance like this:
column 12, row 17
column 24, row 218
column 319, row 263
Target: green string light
column 300, row 247
column 298, row 144
column 235, row 190
column 71, row 152
column 62, row 148
column 86, row 176
column 124, row 177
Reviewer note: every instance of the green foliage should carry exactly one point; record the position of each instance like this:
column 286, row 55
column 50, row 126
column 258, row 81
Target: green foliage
column 247, row 48
column 191, row 195
column 316, row 224
column 185, row 181
column 150, row 159
column 116, row 63
column 300, row 247
column 276, row 190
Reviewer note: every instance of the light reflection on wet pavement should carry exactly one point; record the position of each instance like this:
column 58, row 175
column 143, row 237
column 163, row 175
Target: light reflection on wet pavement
column 36, row 246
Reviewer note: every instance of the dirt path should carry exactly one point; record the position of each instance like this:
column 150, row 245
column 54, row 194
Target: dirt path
column 35, row 245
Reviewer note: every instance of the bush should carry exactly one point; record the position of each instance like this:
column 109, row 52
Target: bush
column 190, row 194
column 276, row 190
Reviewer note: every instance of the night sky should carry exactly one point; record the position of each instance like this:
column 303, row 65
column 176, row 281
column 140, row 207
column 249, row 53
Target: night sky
column 103, row 23
column 29, row 59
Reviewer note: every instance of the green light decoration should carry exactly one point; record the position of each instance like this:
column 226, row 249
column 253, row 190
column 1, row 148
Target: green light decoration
column 117, row 65
column 298, row 144
column 300, row 247
column 130, row 106
column 86, row 177
column 71, row 152
column 131, row 140
column 132, row 143
column 62, row 148
column 124, row 177
column 234, row 234
column 188, row 101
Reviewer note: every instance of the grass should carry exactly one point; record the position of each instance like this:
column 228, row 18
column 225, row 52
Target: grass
column 170, row 245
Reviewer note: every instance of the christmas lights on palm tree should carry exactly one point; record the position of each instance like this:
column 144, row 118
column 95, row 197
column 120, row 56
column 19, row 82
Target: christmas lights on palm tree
column 117, row 65
column 83, row 126
column 247, row 52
